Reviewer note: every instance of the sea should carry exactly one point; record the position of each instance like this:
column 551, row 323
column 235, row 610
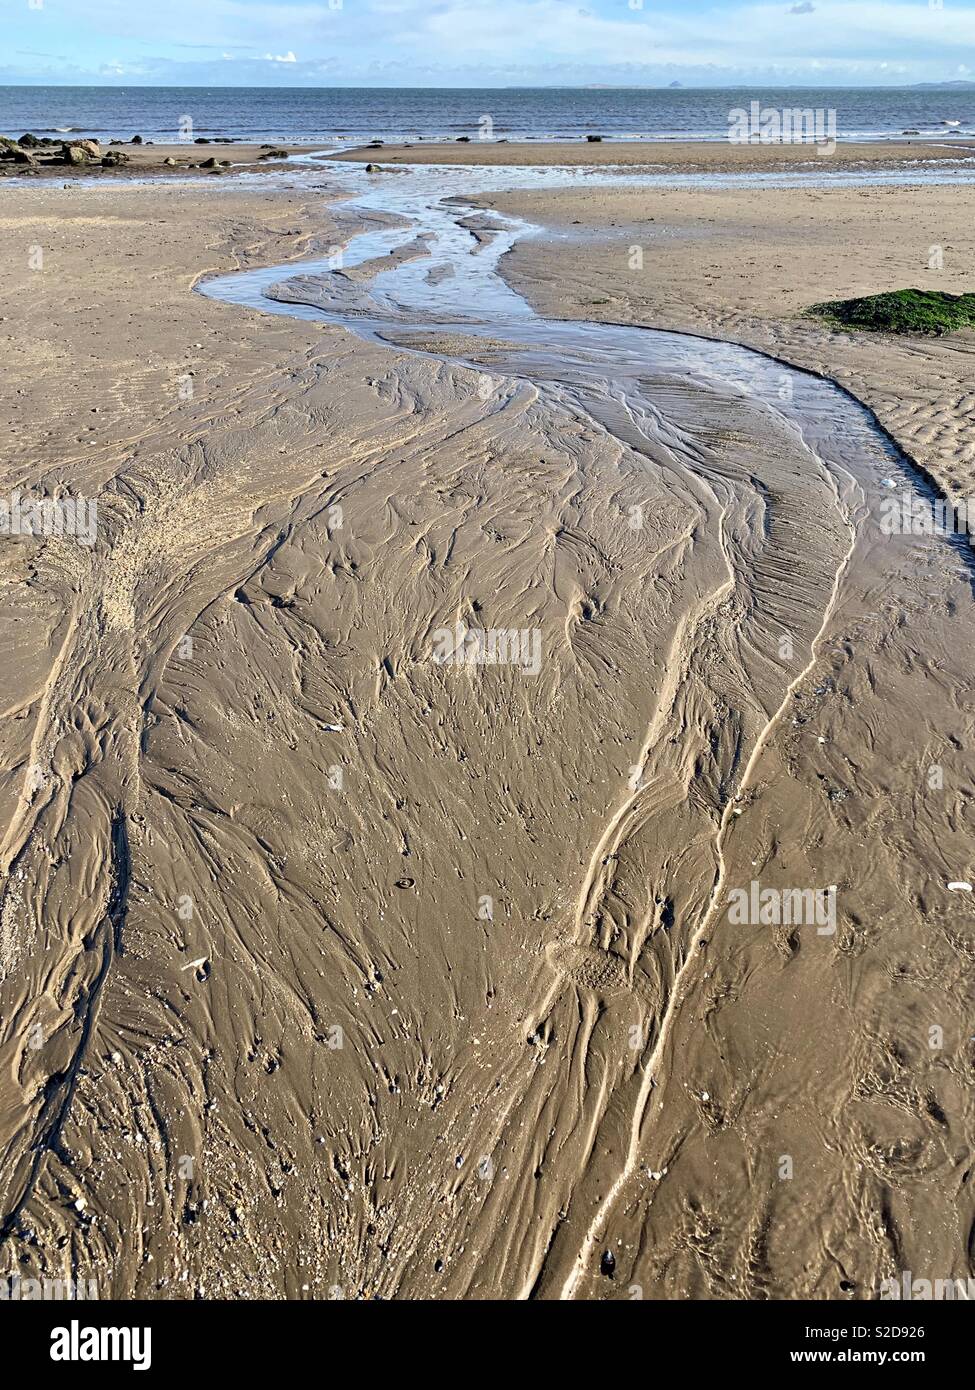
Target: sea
column 340, row 115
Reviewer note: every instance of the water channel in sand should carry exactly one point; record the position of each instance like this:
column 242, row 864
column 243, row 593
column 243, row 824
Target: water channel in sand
column 780, row 479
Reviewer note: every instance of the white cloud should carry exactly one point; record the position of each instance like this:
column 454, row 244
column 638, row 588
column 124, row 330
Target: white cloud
column 428, row 41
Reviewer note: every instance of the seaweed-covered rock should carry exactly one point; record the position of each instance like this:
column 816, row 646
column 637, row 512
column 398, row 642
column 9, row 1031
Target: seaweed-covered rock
column 902, row 311
column 114, row 158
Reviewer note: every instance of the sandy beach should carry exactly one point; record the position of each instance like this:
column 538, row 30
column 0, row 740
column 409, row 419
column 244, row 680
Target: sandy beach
column 327, row 966
column 677, row 156
column 746, row 266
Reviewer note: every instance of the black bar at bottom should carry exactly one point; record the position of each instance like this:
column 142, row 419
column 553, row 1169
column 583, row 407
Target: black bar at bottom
column 71, row 1339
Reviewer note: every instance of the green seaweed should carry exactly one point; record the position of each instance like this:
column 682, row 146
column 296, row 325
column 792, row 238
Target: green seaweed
column 902, row 311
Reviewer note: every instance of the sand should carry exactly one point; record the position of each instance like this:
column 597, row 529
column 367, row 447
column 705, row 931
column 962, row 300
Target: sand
column 679, row 156
column 746, row 266
column 321, row 964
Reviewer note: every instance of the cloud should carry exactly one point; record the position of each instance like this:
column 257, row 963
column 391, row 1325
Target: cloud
column 498, row 42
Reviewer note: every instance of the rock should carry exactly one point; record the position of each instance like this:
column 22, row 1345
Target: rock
column 273, row 153
column 463, row 140
column 137, row 139
column 80, row 151
column 594, row 139
column 29, row 142
column 201, row 140
column 10, row 150
column 114, row 158
column 211, row 163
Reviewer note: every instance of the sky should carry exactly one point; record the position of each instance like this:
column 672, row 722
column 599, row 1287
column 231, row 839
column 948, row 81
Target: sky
column 485, row 43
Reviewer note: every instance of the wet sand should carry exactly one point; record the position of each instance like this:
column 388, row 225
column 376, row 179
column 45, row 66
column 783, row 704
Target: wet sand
column 678, row 156
column 744, row 266
column 328, row 967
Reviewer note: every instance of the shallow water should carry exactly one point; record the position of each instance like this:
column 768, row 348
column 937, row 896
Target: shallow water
column 429, row 200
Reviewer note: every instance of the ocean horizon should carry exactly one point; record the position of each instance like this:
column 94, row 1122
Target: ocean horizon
column 315, row 115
